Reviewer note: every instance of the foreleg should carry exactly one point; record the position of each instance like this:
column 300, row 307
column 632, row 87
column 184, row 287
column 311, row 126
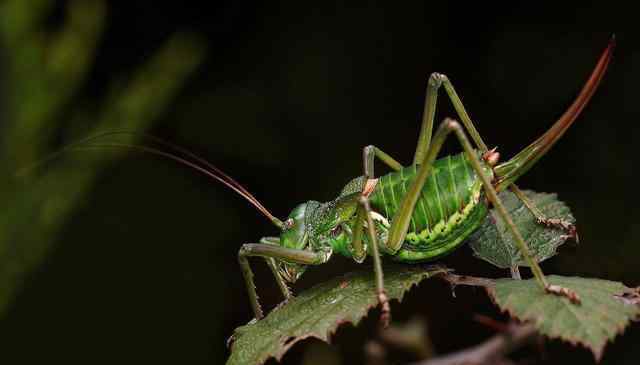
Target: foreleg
column 270, row 251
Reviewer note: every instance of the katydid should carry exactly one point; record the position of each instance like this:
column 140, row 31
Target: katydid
column 414, row 214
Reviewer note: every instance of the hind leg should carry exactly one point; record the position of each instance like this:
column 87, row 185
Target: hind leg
column 436, row 80
column 567, row 226
column 401, row 220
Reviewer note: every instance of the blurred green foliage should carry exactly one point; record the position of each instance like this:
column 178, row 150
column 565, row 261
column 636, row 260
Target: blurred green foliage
column 46, row 68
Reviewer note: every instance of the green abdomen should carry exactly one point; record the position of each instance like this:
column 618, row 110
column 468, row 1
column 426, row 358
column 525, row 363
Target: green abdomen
column 448, row 211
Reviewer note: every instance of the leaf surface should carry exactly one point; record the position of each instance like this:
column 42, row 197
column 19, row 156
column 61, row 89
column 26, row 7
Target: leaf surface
column 319, row 311
column 494, row 243
column 606, row 307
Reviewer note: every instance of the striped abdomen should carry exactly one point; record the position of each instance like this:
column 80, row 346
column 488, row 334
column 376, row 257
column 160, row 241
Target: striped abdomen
column 449, row 209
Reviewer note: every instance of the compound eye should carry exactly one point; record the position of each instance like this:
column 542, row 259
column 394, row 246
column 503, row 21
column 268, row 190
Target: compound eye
column 288, row 223
column 336, row 231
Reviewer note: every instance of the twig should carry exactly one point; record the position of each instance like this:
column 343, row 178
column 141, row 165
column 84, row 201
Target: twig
column 411, row 337
column 375, row 353
column 491, row 351
column 455, row 280
column 497, row 326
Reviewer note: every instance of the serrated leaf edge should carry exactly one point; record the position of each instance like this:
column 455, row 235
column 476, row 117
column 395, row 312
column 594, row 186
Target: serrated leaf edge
column 597, row 352
column 288, row 342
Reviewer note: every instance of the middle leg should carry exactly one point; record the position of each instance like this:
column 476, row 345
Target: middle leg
column 364, row 215
column 271, row 262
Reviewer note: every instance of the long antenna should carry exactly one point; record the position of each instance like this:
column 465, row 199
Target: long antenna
column 212, row 168
column 208, row 169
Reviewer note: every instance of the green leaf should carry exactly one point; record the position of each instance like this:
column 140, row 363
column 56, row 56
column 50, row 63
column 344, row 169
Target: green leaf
column 604, row 310
column 494, row 243
column 319, row 311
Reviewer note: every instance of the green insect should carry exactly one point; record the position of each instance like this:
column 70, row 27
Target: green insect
column 416, row 213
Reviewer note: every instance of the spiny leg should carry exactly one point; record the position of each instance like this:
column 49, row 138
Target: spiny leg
column 451, row 125
column 435, row 81
column 497, row 203
column 359, row 248
column 377, row 264
column 364, row 214
column 541, row 218
column 290, row 255
column 284, row 288
column 424, row 140
column 469, row 125
column 271, row 262
column 251, row 287
column 402, row 218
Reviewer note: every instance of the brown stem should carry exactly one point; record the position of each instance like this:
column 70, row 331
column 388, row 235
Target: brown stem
column 411, row 337
column 491, row 351
column 454, row 280
column 375, row 353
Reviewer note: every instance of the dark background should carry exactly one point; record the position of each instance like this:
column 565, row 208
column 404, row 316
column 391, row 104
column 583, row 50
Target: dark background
column 145, row 269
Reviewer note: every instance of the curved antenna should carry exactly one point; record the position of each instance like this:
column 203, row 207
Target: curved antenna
column 180, row 149
column 159, row 140
column 235, row 186
column 208, row 170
